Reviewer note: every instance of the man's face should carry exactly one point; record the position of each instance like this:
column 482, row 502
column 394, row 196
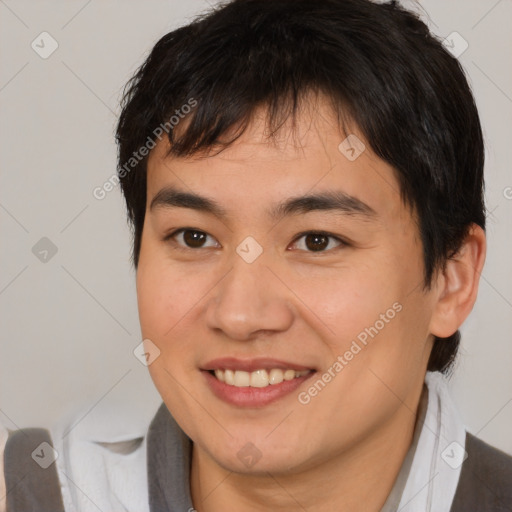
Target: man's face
column 343, row 306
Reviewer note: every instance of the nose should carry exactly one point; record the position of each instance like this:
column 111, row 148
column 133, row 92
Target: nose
column 249, row 301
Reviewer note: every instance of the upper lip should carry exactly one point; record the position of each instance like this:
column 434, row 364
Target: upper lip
column 251, row 365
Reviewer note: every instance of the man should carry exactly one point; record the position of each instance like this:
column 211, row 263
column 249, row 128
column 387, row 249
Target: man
column 305, row 183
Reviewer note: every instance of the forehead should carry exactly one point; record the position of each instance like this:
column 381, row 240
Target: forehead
column 309, row 154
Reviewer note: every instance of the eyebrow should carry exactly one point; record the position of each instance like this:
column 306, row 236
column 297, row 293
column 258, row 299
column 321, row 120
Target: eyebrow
column 334, row 201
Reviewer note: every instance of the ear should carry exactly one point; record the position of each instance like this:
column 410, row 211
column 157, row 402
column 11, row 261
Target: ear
column 457, row 285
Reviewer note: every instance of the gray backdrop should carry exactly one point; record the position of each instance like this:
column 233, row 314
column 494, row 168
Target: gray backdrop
column 67, row 296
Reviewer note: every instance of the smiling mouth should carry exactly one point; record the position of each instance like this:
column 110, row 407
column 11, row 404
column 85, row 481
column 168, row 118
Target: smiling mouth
column 258, row 378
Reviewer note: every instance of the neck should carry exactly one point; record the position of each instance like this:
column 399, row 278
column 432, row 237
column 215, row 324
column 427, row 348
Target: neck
column 359, row 479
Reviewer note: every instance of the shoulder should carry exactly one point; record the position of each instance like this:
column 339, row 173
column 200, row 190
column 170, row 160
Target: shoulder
column 99, row 456
column 485, row 482
column 30, row 476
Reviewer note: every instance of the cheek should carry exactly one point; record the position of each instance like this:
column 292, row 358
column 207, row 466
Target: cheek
column 166, row 292
column 162, row 300
column 375, row 312
column 348, row 300
column 166, row 298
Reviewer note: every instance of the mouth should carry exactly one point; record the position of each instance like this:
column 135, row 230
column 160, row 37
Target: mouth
column 254, row 383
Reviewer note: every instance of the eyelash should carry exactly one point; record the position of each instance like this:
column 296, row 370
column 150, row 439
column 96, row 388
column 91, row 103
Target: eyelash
column 172, row 235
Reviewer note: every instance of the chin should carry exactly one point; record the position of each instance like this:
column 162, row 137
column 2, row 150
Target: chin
column 260, row 456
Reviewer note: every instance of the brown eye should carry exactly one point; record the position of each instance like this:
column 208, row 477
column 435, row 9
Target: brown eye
column 194, row 238
column 318, row 242
column 186, row 238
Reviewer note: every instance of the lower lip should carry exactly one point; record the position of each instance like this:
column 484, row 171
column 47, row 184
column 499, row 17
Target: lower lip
column 253, row 397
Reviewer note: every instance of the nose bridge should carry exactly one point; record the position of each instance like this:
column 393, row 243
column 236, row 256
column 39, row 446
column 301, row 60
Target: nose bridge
column 248, row 299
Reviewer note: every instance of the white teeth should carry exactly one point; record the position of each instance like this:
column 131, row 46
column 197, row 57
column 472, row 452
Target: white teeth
column 257, row 379
column 242, row 379
column 289, row 374
column 276, row 376
column 229, row 377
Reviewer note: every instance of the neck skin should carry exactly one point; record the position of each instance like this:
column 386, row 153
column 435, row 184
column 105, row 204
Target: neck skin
column 359, row 480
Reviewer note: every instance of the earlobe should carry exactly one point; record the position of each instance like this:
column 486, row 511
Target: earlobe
column 458, row 284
